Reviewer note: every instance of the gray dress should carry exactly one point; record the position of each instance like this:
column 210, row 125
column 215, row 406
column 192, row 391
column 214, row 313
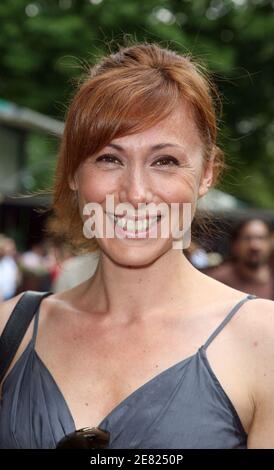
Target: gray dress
column 183, row 407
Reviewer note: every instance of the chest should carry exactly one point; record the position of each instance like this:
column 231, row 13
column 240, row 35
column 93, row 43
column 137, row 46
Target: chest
column 166, row 414
column 96, row 371
column 94, row 385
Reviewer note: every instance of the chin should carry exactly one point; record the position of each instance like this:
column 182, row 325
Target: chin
column 132, row 254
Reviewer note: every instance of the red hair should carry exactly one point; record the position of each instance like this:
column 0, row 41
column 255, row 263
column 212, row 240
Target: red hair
column 125, row 93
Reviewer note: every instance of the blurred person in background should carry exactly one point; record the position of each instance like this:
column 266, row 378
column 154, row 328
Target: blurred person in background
column 35, row 266
column 249, row 267
column 200, row 258
column 197, row 255
column 9, row 273
column 34, row 258
column 11, row 249
column 58, row 253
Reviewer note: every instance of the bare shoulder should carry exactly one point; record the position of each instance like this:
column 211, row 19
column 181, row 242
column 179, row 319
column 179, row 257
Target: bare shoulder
column 52, row 305
column 259, row 323
column 6, row 309
column 254, row 326
column 260, row 336
column 252, row 333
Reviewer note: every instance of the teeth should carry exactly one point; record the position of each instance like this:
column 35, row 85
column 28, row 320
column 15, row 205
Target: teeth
column 134, row 226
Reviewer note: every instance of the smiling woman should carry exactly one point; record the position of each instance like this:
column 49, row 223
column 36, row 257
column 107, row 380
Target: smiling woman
column 147, row 353
column 124, row 94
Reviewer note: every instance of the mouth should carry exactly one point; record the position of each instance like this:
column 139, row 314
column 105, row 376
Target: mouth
column 134, row 226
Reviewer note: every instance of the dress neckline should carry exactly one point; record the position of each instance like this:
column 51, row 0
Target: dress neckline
column 124, row 400
column 200, row 352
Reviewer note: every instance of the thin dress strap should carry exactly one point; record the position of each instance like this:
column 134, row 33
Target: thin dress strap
column 35, row 326
column 227, row 318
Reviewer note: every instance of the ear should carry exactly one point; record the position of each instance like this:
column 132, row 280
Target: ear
column 73, row 183
column 206, row 177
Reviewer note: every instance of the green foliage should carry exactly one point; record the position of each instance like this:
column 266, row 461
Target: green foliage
column 41, row 155
column 45, row 43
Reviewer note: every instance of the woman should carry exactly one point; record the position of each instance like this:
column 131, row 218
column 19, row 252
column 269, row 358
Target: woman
column 149, row 349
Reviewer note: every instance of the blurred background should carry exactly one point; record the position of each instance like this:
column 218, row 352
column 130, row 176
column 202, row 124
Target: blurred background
column 46, row 45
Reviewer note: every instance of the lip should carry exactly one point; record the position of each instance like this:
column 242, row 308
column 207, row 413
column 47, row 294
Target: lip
column 138, row 235
column 130, row 217
column 135, row 235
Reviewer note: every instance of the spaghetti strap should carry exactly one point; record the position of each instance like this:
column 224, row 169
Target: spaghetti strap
column 227, row 318
column 35, row 326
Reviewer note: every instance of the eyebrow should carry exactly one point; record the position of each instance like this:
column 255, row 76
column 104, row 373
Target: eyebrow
column 153, row 147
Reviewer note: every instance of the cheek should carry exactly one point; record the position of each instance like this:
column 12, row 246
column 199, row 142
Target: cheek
column 93, row 186
column 182, row 188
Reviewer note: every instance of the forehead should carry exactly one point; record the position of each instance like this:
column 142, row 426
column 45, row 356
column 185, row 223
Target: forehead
column 178, row 128
column 255, row 226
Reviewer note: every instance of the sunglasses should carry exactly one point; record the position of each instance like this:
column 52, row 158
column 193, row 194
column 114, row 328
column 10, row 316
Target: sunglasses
column 86, row 438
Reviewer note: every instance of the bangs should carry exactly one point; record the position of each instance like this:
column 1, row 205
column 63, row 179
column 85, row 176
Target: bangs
column 116, row 105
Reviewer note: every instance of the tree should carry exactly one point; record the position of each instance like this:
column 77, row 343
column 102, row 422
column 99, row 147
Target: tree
column 43, row 45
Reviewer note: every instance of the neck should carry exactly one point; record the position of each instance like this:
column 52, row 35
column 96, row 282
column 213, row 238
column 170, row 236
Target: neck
column 127, row 293
column 259, row 274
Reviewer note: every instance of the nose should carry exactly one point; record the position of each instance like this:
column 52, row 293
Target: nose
column 136, row 187
column 255, row 245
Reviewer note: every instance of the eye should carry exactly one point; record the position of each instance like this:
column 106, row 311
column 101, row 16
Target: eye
column 108, row 158
column 167, row 160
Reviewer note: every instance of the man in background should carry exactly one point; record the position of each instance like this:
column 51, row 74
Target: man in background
column 249, row 268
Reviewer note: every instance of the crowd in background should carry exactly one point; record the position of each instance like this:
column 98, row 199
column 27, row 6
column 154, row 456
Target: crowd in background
column 47, row 266
column 52, row 266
